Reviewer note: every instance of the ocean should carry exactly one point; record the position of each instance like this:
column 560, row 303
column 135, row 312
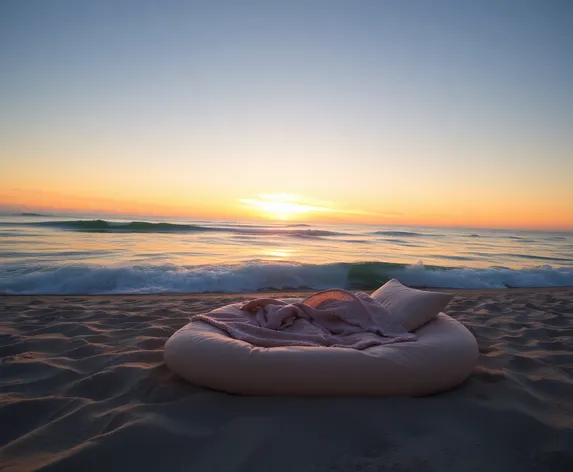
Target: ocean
column 47, row 254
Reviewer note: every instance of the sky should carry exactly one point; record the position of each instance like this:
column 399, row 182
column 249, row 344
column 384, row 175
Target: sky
column 388, row 112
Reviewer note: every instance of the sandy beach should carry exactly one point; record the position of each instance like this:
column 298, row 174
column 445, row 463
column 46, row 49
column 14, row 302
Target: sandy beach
column 83, row 387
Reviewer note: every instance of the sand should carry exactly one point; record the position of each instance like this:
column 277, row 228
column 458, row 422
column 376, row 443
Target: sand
column 83, row 387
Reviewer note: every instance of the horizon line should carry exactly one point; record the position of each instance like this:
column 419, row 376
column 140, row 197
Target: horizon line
column 98, row 213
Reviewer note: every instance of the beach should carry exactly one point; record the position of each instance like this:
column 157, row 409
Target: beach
column 83, row 387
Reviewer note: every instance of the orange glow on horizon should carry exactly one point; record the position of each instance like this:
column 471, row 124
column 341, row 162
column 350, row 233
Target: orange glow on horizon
column 282, row 207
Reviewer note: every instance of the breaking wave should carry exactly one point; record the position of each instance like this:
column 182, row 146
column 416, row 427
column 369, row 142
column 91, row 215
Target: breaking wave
column 263, row 276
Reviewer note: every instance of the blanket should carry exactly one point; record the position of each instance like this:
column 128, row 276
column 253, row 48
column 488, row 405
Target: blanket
column 334, row 318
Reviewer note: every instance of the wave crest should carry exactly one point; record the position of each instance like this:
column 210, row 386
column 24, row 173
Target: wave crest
column 260, row 275
column 404, row 234
column 103, row 226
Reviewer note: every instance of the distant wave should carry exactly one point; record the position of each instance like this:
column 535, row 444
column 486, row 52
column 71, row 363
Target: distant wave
column 401, row 242
column 98, row 226
column 405, row 234
column 263, row 276
column 538, row 258
column 31, row 214
column 103, row 226
column 555, row 238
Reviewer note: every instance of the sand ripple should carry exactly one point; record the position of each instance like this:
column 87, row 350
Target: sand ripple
column 83, row 387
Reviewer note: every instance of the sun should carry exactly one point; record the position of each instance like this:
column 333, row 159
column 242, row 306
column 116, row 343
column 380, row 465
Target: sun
column 280, row 206
column 281, row 210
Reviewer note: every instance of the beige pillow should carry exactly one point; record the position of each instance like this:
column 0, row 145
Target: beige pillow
column 412, row 308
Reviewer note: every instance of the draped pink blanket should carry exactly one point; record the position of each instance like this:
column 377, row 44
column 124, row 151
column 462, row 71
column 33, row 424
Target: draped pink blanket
column 334, row 318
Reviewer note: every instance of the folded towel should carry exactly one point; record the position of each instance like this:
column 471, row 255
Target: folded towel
column 335, row 318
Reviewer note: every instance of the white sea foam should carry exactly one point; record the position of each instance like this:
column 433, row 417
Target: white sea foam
column 251, row 277
column 492, row 277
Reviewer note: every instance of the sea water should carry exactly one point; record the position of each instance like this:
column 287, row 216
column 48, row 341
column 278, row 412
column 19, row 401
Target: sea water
column 47, row 254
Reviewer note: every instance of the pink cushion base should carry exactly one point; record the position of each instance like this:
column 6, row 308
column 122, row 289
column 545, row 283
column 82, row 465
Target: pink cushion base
column 443, row 356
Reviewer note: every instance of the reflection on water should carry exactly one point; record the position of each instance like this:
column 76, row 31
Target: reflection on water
column 23, row 239
column 280, row 253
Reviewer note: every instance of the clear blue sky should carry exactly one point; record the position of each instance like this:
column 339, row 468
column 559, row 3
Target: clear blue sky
column 391, row 107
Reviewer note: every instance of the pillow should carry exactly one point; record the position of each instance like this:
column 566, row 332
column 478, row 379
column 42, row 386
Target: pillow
column 412, row 308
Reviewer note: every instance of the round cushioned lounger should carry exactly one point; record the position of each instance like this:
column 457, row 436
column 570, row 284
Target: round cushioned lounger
column 442, row 357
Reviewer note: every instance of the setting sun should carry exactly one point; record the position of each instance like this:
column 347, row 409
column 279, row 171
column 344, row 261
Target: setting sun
column 280, row 206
